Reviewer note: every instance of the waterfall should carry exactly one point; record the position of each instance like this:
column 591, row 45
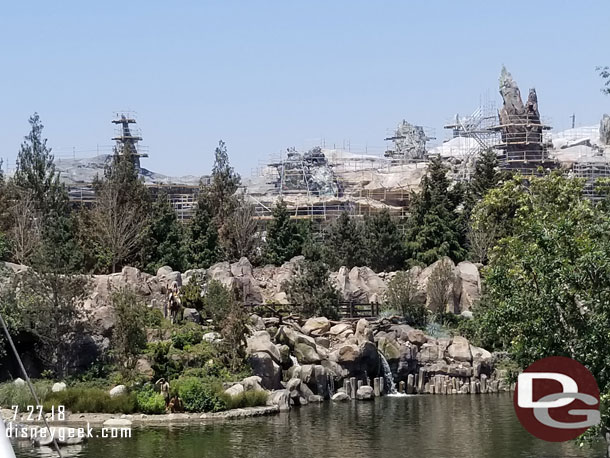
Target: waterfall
column 387, row 375
column 295, row 362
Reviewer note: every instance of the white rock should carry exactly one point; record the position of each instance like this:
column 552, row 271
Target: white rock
column 19, row 381
column 117, row 422
column 118, row 390
column 57, row 387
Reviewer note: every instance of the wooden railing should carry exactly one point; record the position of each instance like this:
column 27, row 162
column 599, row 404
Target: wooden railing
column 347, row 310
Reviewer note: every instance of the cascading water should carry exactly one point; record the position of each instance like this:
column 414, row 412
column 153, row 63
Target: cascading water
column 387, row 375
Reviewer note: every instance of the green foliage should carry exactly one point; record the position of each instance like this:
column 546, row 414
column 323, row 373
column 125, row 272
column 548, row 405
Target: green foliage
column 90, row 400
column 311, row 289
column 162, row 364
column 20, row 395
column 191, row 294
column 202, row 248
column 435, row 227
column 222, row 189
column 199, row 394
column 189, row 334
column 384, row 244
column 129, row 333
column 440, row 288
column 238, row 235
column 403, row 295
column 149, row 401
column 285, row 237
column 604, row 72
column 234, row 330
column 345, row 243
column 486, row 176
column 163, row 240
column 217, row 302
column 547, row 286
column 245, row 399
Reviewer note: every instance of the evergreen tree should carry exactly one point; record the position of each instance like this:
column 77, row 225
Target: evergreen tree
column 312, row 290
column 163, row 245
column 202, row 248
column 222, row 199
column 345, row 243
column 486, row 176
column 384, row 243
column 37, row 180
column 285, row 237
column 435, row 228
column 238, row 236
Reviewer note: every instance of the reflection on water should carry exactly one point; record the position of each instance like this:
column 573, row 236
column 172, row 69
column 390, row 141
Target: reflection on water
column 414, row 426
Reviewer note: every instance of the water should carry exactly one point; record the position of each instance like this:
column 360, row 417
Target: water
column 387, row 375
column 416, row 426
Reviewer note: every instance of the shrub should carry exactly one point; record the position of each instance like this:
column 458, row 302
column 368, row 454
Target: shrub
column 19, row 395
column 245, row 399
column 162, row 364
column 312, row 290
column 439, row 287
column 403, row 295
column 149, row 401
column 189, row 334
column 129, row 333
column 217, row 302
column 191, row 294
column 200, row 394
column 93, row 400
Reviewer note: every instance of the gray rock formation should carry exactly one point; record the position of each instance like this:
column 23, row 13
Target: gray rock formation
column 604, row 130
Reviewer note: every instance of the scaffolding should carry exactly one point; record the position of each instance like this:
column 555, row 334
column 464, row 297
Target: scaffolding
column 591, row 170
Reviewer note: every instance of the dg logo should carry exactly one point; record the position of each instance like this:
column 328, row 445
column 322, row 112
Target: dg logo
column 557, row 399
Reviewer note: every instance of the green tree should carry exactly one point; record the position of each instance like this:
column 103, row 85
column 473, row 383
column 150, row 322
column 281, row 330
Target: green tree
column 163, row 240
column 345, row 243
column 405, row 297
column 120, row 214
column 312, row 290
column 604, row 72
column 238, row 235
column 285, row 237
column 224, row 185
column 547, row 285
column 486, row 176
column 129, row 332
column 202, row 247
column 435, row 227
column 384, row 243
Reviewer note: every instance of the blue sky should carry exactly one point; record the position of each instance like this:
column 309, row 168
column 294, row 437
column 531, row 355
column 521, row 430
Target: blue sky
column 267, row 75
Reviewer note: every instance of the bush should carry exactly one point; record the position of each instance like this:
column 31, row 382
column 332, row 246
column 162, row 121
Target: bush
column 91, row 400
column 129, row 333
column 200, row 394
column 312, row 290
column 162, row 364
column 149, row 401
column 19, row 395
column 217, row 302
column 189, row 334
column 403, row 295
column 245, row 399
column 191, row 294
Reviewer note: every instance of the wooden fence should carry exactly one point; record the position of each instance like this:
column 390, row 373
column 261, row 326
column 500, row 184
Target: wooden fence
column 347, row 310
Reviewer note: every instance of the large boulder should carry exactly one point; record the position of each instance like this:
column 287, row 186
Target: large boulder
column 260, row 341
column 364, row 393
column 235, row 390
column 306, row 354
column 364, row 333
column 316, row 326
column 280, row 398
column 118, row 391
column 471, row 285
column 245, row 281
column 459, row 350
column 360, row 284
column 267, row 369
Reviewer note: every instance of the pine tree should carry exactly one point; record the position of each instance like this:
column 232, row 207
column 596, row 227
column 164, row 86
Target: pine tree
column 238, row 236
column 285, row 237
column 486, row 176
column 345, row 243
column 223, row 187
column 435, row 228
column 202, row 248
column 163, row 241
column 384, row 243
column 37, row 181
column 312, row 290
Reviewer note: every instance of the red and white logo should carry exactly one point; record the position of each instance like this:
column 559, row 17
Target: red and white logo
column 557, row 399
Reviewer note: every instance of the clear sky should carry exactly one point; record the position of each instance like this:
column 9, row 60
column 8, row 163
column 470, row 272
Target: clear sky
column 267, row 75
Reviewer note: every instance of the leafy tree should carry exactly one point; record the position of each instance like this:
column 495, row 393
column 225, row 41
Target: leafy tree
column 120, row 215
column 129, row 333
column 47, row 306
column 217, row 302
column 345, row 243
column 163, row 240
column 285, row 237
column 191, row 294
column 547, row 285
column 238, row 234
column 435, row 227
column 384, row 243
column 202, row 247
column 440, row 287
column 233, row 329
column 404, row 295
column 312, row 290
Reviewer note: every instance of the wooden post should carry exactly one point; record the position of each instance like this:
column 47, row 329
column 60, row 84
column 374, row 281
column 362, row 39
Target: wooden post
column 401, row 386
column 352, row 382
column 376, row 387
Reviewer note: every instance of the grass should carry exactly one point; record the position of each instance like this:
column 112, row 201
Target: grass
column 245, row 399
column 91, row 400
column 19, row 395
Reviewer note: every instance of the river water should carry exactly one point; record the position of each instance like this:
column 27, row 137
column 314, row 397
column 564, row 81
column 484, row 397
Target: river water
column 414, row 426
